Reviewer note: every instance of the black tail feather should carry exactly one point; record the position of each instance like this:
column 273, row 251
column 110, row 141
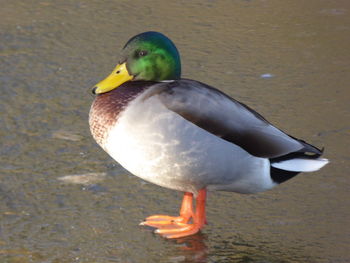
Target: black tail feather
column 279, row 176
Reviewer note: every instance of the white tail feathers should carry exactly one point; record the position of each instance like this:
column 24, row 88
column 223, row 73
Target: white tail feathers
column 301, row 164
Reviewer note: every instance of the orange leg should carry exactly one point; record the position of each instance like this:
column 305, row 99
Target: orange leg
column 176, row 227
column 160, row 221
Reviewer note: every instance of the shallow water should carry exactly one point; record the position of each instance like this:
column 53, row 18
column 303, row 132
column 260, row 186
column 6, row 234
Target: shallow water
column 289, row 60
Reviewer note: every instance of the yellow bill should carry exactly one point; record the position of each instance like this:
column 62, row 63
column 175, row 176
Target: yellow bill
column 118, row 76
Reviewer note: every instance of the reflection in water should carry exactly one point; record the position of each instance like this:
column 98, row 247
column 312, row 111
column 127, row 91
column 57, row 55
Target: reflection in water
column 199, row 249
column 192, row 249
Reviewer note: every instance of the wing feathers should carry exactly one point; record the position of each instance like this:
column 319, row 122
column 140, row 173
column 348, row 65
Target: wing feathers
column 227, row 118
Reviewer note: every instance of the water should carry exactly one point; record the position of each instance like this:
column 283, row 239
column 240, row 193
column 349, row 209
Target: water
column 289, row 60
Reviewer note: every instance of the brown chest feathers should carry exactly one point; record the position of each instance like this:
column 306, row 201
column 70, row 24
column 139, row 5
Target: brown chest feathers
column 107, row 107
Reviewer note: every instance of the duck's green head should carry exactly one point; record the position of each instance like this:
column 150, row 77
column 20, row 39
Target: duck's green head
column 149, row 56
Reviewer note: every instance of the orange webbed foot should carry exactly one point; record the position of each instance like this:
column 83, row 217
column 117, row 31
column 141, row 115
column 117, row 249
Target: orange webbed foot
column 163, row 221
column 178, row 230
column 179, row 226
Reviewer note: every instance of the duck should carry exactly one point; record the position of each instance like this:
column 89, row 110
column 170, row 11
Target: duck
column 188, row 136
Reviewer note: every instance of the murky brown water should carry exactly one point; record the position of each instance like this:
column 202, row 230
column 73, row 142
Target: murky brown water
column 52, row 52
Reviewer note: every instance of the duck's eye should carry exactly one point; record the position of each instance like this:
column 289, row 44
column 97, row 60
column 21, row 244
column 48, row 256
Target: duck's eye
column 142, row 53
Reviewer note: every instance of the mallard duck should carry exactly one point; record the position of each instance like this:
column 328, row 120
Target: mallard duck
column 185, row 135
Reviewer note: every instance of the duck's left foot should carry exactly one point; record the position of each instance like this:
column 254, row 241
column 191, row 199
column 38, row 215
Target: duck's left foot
column 179, row 226
column 178, row 230
column 164, row 221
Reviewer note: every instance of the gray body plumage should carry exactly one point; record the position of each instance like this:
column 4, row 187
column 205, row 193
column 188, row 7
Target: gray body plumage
column 185, row 135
